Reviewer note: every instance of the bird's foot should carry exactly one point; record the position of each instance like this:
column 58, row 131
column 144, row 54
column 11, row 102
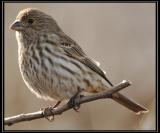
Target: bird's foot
column 74, row 101
column 50, row 110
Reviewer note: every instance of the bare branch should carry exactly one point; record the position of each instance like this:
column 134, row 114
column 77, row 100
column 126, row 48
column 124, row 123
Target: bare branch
column 39, row 114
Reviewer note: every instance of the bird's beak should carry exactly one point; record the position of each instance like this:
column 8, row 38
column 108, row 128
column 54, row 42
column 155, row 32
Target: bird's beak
column 17, row 26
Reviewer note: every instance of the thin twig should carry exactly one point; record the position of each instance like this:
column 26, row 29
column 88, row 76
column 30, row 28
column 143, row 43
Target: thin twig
column 39, row 114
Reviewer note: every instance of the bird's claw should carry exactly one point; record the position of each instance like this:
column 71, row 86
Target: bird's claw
column 74, row 102
column 48, row 110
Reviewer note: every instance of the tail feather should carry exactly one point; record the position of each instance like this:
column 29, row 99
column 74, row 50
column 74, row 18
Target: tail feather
column 128, row 103
column 121, row 99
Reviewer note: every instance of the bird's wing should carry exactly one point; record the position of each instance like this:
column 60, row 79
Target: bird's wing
column 72, row 49
column 75, row 51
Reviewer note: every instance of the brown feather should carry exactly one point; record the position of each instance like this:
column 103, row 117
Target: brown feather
column 72, row 49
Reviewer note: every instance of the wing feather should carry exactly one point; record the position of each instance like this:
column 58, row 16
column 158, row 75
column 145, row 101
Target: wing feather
column 76, row 52
column 72, row 49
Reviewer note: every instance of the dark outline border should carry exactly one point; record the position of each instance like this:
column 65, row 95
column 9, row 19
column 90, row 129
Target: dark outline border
column 156, row 60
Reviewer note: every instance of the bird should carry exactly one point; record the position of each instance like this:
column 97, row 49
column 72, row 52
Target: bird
column 54, row 66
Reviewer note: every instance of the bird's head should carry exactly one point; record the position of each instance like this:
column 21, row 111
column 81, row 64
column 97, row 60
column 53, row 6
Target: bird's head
column 32, row 20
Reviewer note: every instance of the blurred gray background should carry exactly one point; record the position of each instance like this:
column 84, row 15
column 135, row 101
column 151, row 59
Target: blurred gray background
column 120, row 36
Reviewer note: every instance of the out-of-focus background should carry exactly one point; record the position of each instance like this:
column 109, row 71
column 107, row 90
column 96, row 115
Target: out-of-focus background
column 120, row 36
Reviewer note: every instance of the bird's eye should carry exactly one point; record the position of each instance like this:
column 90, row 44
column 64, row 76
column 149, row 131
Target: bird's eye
column 30, row 21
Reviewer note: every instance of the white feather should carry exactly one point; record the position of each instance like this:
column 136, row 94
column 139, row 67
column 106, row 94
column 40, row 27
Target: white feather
column 97, row 63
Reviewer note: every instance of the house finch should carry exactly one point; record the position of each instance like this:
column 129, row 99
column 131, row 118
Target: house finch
column 54, row 66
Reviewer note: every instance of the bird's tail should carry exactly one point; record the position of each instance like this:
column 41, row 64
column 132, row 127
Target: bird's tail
column 123, row 100
column 128, row 103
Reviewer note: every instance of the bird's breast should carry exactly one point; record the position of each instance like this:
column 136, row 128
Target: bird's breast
column 52, row 75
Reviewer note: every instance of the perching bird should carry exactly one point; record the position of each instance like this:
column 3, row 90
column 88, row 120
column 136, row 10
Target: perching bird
column 53, row 65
